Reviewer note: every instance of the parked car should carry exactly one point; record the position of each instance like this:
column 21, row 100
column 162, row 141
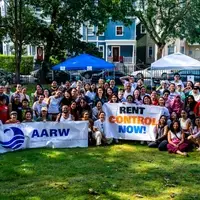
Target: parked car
column 147, row 73
column 185, row 75
column 59, row 76
column 108, row 75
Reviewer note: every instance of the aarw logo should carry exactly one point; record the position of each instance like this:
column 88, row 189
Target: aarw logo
column 16, row 141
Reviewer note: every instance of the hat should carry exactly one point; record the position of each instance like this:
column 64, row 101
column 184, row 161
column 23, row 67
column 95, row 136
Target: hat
column 44, row 109
column 13, row 113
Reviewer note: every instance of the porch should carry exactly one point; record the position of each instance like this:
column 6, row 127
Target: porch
column 121, row 52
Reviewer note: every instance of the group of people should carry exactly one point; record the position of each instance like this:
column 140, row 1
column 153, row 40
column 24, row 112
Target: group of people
column 178, row 128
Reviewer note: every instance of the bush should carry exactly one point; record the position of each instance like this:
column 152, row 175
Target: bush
column 8, row 63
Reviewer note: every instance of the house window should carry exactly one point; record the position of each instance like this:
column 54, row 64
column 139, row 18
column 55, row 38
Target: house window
column 33, row 51
column 101, row 50
column 183, row 50
column 119, row 31
column 190, row 52
column 90, row 30
column 142, row 29
column 150, row 52
column 170, row 49
column 102, row 34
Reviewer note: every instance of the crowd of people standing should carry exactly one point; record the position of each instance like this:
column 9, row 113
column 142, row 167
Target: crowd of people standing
column 178, row 128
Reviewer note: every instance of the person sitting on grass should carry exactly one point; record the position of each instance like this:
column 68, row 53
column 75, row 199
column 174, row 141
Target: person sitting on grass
column 176, row 139
column 195, row 137
column 13, row 118
column 28, row 117
column 100, row 125
column 93, row 132
column 160, row 132
column 44, row 117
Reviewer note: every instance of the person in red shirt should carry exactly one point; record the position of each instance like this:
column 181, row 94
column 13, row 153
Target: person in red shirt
column 3, row 110
column 154, row 98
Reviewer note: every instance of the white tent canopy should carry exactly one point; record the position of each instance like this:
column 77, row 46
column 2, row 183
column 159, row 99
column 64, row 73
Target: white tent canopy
column 176, row 61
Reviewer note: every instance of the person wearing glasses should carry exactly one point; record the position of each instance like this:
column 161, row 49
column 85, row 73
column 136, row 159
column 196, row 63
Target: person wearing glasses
column 195, row 93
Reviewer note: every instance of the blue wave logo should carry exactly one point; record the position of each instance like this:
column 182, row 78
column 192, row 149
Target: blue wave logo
column 17, row 140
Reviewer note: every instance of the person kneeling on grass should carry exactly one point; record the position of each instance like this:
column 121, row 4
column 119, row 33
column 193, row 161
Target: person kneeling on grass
column 195, row 137
column 93, row 132
column 100, row 126
column 160, row 132
column 176, row 139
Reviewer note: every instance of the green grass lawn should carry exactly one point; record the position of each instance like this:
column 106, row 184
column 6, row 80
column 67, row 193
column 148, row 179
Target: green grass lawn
column 126, row 172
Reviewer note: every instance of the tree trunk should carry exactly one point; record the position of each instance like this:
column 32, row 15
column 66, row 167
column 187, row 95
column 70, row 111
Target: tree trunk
column 45, row 64
column 17, row 64
column 160, row 50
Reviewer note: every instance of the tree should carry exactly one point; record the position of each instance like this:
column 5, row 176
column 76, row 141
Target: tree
column 20, row 25
column 59, row 28
column 162, row 19
column 191, row 26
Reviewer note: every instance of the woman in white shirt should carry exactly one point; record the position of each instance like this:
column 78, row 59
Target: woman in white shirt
column 23, row 95
column 53, row 104
column 100, row 127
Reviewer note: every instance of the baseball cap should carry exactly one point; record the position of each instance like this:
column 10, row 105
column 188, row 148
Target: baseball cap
column 44, row 109
column 13, row 113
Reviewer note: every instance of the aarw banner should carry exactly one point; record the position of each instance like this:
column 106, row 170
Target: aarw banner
column 131, row 121
column 43, row 134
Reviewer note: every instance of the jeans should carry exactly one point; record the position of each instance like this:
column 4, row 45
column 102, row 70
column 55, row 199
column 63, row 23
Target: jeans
column 162, row 146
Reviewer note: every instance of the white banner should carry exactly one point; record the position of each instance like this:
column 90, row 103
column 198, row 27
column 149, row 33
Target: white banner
column 43, row 134
column 131, row 121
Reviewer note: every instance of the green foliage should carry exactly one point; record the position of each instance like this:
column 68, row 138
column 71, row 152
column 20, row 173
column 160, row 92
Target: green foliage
column 163, row 19
column 8, row 63
column 119, row 172
column 191, row 26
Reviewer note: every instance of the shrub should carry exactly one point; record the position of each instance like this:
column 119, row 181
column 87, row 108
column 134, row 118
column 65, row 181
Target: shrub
column 8, row 63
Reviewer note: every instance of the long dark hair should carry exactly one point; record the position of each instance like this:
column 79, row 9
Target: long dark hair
column 148, row 98
column 165, row 120
column 191, row 105
column 172, row 124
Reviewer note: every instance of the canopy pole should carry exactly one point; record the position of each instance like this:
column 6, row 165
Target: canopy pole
column 151, row 78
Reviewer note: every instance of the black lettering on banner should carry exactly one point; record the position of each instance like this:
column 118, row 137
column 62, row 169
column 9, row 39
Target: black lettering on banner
column 122, row 110
column 131, row 110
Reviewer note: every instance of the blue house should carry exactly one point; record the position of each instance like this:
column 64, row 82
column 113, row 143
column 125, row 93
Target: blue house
column 117, row 44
